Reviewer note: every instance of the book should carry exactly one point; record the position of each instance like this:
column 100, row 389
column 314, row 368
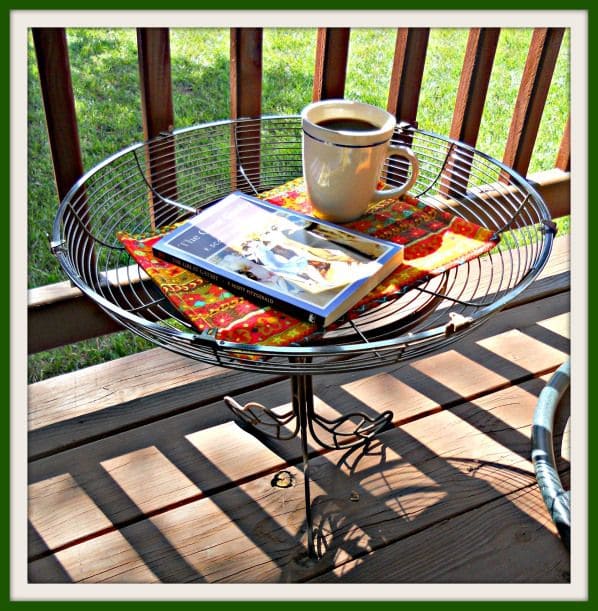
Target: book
column 312, row 269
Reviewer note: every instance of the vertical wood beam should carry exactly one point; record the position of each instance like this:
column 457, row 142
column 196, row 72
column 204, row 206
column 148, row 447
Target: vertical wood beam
column 533, row 91
column 409, row 60
column 563, row 159
column 473, row 85
column 155, row 79
column 246, row 102
column 246, row 72
column 153, row 46
column 51, row 51
column 470, row 102
column 332, row 53
column 407, row 73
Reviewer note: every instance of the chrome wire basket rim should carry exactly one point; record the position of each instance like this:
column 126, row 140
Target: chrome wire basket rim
column 299, row 357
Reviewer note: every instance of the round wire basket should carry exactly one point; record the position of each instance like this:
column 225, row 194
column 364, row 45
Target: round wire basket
column 167, row 179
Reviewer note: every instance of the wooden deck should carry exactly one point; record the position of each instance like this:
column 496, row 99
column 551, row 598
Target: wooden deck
column 138, row 474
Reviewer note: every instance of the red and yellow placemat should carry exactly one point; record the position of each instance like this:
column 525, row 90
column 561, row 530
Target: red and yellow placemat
column 434, row 241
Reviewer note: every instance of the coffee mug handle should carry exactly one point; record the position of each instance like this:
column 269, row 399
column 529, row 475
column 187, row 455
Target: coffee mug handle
column 400, row 151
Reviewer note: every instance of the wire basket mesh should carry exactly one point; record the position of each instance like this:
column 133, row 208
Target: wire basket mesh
column 169, row 178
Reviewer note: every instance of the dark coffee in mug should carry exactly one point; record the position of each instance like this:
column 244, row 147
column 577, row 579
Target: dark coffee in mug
column 348, row 124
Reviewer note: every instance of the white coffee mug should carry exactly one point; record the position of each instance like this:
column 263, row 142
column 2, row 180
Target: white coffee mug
column 345, row 146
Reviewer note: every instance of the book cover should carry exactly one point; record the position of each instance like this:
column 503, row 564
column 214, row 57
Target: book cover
column 307, row 267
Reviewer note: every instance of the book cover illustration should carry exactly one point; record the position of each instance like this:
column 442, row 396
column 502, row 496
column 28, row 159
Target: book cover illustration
column 279, row 257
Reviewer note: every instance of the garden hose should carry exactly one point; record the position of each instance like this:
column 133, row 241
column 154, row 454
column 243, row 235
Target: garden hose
column 555, row 497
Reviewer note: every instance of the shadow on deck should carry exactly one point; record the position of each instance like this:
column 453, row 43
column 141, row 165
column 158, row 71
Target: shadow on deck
column 138, row 477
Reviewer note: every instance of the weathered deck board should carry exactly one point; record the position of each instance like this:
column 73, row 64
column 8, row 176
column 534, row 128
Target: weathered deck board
column 207, row 448
column 499, row 542
column 118, row 395
column 423, row 473
column 116, row 481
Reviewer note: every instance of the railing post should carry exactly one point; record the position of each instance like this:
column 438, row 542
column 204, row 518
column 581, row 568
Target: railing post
column 563, row 159
column 332, row 52
column 470, row 101
column 533, row 91
column 407, row 73
column 153, row 45
column 59, row 104
column 52, row 55
column 473, row 86
column 246, row 102
column 405, row 86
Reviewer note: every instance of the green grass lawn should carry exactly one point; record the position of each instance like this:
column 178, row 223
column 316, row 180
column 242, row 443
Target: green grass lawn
column 106, row 84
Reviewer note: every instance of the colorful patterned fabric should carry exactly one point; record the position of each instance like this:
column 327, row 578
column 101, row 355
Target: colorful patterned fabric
column 434, row 242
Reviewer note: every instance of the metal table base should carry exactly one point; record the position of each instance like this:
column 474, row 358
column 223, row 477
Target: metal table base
column 345, row 432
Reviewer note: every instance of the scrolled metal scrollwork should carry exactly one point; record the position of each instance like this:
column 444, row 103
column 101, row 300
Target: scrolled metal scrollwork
column 263, row 419
column 365, row 429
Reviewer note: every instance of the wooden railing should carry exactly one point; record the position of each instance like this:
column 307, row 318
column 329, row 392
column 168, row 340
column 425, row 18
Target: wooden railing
column 50, row 306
